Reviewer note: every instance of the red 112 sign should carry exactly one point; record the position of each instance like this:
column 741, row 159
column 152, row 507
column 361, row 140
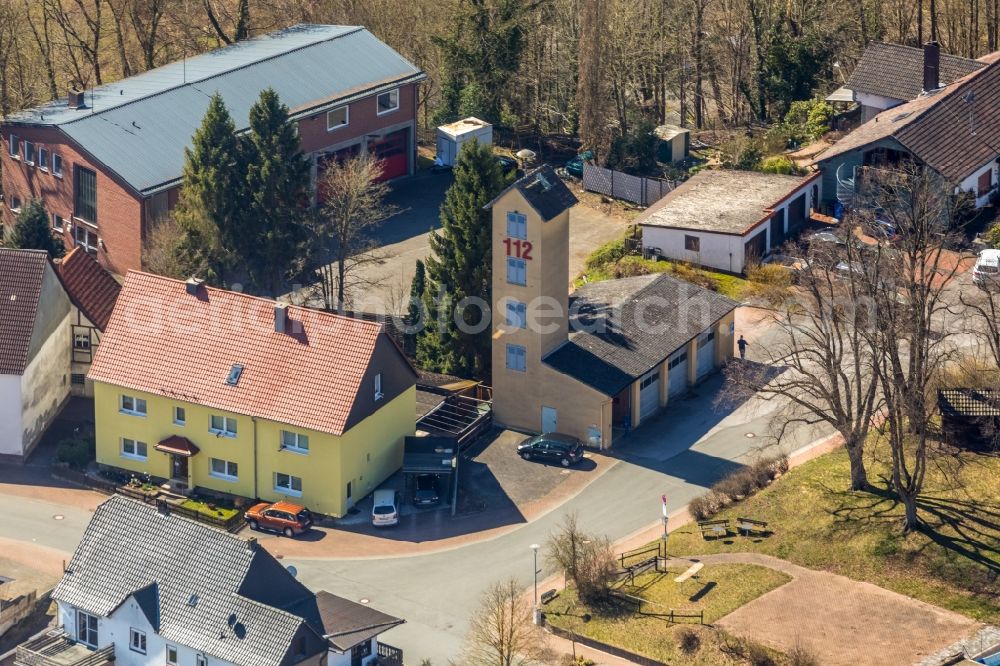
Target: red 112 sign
column 518, row 248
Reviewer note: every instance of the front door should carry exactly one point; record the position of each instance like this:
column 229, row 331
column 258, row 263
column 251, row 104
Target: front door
column 179, row 469
column 550, row 419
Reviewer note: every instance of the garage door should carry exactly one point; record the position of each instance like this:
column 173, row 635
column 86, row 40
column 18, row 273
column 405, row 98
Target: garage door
column 706, row 353
column 677, row 372
column 392, row 150
column 649, row 393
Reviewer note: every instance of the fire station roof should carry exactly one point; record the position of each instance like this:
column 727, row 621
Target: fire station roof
column 139, row 127
column 622, row 329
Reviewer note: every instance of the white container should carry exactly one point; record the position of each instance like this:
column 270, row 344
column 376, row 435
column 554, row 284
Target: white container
column 451, row 138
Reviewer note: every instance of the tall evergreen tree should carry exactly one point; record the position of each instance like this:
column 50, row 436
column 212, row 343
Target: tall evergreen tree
column 277, row 182
column 460, row 267
column 418, row 287
column 209, row 211
column 33, row 232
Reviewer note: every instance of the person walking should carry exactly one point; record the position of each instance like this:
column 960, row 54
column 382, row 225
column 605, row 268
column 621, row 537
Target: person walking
column 742, row 344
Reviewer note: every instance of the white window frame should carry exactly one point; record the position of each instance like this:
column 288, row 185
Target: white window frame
column 520, row 270
column 224, row 431
column 289, row 489
column 136, row 640
column 88, row 232
column 43, row 164
column 378, row 105
column 171, row 661
column 14, row 146
column 201, row 660
column 15, row 203
column 517, row 225
column 347, row 117
column 378, row 387
column 134, row 409
column 29, row 146
column 231, row 473
column 515, row 352
column 135, row 454
column 84, row 637
column 293, row 441
column 58, row 173
column 180, row 420
column 517, row 314
column 61, row 226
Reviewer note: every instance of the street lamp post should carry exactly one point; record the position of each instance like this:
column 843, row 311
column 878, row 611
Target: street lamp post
column 536, row 614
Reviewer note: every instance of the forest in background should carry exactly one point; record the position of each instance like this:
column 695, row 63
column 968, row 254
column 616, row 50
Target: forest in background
column 591, row 68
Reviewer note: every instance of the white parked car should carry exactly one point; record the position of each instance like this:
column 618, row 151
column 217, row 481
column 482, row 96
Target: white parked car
column 385, row 508
column 987, row 268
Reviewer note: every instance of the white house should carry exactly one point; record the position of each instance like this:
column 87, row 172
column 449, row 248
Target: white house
column 34, row 339
column 724, row 219
column 147, row 587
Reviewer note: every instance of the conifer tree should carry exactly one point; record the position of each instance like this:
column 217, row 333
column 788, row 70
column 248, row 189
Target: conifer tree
column 418, row 287
column 460, row 267
column 277, row 182
column 32, row 231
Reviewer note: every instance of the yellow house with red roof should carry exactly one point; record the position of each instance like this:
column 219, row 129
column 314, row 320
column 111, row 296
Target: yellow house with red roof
column 231, row 393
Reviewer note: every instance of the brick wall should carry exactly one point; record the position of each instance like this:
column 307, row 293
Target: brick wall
column 363, row 120
column 119, row 212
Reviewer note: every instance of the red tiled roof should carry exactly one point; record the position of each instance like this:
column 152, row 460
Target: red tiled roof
column 21, row 275
column 178, row 445
column 165, row 341
column 90, row 287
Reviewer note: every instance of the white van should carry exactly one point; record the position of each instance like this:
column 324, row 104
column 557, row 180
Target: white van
column 385, row 508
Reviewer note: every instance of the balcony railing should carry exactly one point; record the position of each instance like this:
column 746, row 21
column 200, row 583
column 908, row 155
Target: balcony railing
column 389, row 655
column 56, row 648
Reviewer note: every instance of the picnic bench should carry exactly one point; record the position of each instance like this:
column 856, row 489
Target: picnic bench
column 714, row 528
column 747, row 525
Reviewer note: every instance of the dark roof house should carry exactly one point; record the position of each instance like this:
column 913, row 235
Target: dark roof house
column 897, row 72
column 21, row 275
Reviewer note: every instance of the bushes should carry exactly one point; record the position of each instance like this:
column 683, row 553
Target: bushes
column 779, row 164
column 607, row 254
column 738, row 485
column 688, row 641
column 77, row 452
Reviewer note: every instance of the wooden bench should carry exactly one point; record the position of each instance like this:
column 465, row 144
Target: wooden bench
column 548, row 596
column 714, row 528
column 747, row 525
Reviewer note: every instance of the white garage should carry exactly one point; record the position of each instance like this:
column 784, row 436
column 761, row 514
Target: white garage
column 677, row 373
column 649, row 393
column 706, row 353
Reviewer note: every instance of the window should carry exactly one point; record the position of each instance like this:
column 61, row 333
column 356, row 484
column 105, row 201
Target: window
column 201, row 660
column 15, row 203
column 85, row 238
column 293, row 441
column 57, row 222
column 78, row 379
column 515, row 357
column 692, row 243
column 517, row 225
column 300, row 646
column 516, row 314
column 133, row 449
column 86, row 628
column 985, row 183
column 677, row 360
column 43, row 159
column 388, row 101
column 136, row 640
column 378, row 386
column 134, row 406
column 29, row 152
column 85, row 194
column 13, row 146
column 180, row 417
column 517, row 271
column 81, row 340
column 287, row 484
column 224, row 469
column 362, row 650
column 222, row 425
column 337, row 118
column 57, row 165
column 171, row 655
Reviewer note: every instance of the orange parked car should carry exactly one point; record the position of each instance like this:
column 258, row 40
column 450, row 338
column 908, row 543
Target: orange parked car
column 282, row 517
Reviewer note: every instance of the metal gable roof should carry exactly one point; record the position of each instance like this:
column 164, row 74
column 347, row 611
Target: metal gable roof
column 139, row 127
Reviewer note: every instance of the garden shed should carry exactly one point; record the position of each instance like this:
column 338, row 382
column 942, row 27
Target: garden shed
column 451, row 138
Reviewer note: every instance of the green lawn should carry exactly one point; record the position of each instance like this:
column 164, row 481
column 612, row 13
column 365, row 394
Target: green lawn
column 221, row 513
column 954, row 563
column 728, row 285
column 718, row 590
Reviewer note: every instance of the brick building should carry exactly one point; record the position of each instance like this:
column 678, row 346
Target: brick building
column 107, row 162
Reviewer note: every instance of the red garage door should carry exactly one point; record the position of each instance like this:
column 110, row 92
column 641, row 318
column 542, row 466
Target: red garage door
column 392, row 150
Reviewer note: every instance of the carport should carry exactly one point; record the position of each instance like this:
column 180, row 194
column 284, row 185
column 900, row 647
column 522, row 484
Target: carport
column 432, row 455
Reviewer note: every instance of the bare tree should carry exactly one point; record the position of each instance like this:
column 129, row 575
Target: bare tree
column 240, row 21
column 591, row 92
column 81, row 25
column 982, row 307
column 586, row 560
column 501, row 631
column 353, row 205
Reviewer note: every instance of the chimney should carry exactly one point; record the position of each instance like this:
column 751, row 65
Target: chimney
column 932, row 66
column 77, row 99
column 280, row 317
column 192, row 285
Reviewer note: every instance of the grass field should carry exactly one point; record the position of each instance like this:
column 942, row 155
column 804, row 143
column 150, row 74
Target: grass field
column 954, row 562
column 718, row 590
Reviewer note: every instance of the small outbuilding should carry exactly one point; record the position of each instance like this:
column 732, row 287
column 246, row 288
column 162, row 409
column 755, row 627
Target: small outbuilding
column 451, row 138
column 674, row 143
column 970, row 418
column 727, row 219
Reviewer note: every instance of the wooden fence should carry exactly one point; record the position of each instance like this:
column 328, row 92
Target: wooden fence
column 605, row 647
column 619, row 185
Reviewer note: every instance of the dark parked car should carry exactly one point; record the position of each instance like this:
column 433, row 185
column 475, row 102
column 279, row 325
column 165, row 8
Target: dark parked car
column 426, row 492
column 575, row 166
column 283, row 517
column 554, row 447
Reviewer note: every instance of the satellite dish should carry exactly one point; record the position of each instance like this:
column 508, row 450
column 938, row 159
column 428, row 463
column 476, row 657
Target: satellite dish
column 292, row 570
column 525, row 154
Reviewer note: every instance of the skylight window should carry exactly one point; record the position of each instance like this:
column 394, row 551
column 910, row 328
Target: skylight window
column 234, row 375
